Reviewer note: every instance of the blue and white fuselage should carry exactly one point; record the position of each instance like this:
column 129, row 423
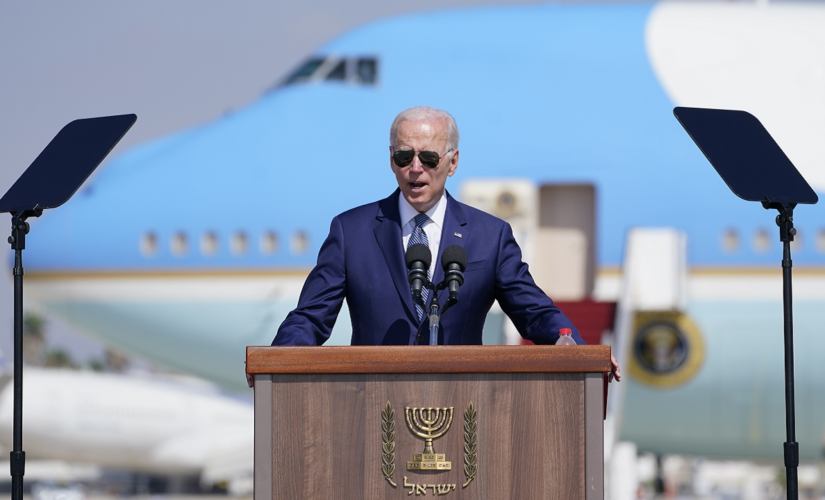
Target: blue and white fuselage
column 188, row 249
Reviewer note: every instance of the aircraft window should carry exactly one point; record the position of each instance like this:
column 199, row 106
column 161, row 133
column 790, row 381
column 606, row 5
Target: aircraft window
column 362, row 70
column 209, row 243
column 300, row 243
column 269, row 243
column 239, row 243
column 149, row 244
column 761, row 241
column 305, row 71
column 730, row 240
column 367, row 71
column 820, row 241
column 179, row 244
column 339, row 72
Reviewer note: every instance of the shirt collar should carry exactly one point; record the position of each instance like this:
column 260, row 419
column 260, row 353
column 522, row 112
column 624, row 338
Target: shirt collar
column 436, row 213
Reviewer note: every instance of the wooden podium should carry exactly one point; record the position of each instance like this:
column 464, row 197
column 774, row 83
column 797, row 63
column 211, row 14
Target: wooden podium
column 497, row 422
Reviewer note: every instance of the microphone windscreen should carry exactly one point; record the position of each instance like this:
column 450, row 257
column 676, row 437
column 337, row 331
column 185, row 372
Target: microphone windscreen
column 419, row 252
column 454, row 254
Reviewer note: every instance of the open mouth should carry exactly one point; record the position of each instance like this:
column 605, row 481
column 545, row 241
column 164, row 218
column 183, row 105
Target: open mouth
column 417, row 186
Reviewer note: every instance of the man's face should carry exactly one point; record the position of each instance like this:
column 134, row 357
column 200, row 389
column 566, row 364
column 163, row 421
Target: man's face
column 421, row 185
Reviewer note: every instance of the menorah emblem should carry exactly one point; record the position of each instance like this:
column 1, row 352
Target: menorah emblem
column 428, row 424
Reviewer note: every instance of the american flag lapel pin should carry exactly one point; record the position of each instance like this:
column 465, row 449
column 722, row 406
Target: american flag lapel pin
column 457, row 235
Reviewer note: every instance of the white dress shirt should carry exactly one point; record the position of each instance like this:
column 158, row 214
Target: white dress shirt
column 432, row 227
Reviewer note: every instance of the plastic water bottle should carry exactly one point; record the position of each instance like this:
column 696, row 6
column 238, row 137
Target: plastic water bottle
column 565, row 337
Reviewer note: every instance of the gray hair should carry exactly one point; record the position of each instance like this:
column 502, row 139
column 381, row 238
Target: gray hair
column 424, row 113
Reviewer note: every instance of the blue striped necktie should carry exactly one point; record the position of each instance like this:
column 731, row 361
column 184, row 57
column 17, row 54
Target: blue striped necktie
column 419, row 236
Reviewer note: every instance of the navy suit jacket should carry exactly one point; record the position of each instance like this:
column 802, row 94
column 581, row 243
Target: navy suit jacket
column 362, row 261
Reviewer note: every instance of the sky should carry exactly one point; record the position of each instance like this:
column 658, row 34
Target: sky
column 174, row 64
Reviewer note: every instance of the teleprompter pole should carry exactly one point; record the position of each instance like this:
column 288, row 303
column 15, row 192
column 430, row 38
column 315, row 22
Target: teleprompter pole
column 756, row 169
column 17, row 457
column 786, row 233
column 54, row 176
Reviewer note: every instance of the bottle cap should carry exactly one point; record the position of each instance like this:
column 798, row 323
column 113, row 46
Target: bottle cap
column 565, row 331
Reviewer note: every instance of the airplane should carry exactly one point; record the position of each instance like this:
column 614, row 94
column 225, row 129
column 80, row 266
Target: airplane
column 163, row 425
column 191, row 247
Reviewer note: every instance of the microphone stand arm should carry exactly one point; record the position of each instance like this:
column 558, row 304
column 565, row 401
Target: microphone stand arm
column 435, row 309
column 435, row 317
column 435, row 314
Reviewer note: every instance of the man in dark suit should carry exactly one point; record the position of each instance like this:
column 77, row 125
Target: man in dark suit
column 362, row 259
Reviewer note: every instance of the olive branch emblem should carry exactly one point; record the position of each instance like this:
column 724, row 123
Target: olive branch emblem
column 470, row 455
column 388, row 445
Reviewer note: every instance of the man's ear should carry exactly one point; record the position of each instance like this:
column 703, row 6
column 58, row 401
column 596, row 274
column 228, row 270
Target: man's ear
column 453, row 164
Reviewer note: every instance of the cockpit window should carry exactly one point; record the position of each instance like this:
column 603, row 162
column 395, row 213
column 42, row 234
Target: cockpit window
column 357, row 70
column 367, row 69
column 339, row 72
column 305, row 71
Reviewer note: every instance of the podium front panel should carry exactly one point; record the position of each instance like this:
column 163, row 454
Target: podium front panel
column 528, row 435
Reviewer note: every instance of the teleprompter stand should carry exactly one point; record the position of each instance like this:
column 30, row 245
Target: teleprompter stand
column 755, row 169
column 53, row 177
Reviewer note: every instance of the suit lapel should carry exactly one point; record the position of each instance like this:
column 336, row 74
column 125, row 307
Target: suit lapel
column 388, row 235
column 454, row 232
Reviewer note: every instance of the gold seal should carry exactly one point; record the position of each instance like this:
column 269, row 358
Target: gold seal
column 667, row 349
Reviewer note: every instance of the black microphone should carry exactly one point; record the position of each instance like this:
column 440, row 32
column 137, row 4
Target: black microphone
column 454, row 262
column 418, row 259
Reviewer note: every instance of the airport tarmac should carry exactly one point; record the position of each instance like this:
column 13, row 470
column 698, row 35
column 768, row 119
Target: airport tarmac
column 697, row 478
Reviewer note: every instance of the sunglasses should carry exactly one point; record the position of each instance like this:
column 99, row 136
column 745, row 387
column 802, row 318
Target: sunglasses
column 427, row 158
